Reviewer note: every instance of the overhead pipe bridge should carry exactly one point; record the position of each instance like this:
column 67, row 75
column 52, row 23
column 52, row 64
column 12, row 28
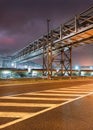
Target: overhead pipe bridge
column 56, row 47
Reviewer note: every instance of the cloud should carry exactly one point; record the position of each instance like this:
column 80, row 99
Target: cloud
column 6, row 40
column 25, row 20
column 15, row 14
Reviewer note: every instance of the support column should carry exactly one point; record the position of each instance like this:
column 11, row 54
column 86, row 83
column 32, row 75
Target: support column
column 62, row 62
column 66, row 61
column 49, row 55
column 49, row 51
column 44, row 60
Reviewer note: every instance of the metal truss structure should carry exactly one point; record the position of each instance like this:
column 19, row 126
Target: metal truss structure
column 56, row 46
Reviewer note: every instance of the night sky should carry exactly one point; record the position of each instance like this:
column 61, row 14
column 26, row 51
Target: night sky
column 22, row 21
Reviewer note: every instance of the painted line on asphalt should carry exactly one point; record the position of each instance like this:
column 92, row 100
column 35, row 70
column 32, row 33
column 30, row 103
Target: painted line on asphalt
column 20, row 84
column 43, row 111
column 47, row 109
column 61, row 89
column 14, row 114
column 77, row 89
column 26, row 104
column 69, row 88
column 55, row 94
column 65, row 91
column 32, row 98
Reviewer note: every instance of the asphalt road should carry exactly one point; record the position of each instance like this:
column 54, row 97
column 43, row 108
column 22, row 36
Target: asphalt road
column 62, row 105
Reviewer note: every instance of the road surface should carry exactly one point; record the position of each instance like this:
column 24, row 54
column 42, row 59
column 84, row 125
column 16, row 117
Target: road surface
column 62, row 105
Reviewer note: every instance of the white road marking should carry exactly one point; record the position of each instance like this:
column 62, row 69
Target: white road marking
column 14, row 114
column 40, row 112
column 23, row 116
column 76, row 89
column 32, row 98
column 61, row 89
column 65, row 91
column 26, row 104
column 55, row 94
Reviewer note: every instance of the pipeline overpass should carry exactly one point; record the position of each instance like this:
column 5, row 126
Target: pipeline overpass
column 55, row 47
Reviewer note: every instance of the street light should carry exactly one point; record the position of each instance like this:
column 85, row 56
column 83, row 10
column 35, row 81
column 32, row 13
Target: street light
column 77, row 67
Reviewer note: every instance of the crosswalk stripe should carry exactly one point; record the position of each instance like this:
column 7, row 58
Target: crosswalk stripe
column 26, row 104
column 65, row 91
column 66, row 95
column 14, row 114
column 48, row 94
column 40, row 112
column 32, row 98
column 76, row 89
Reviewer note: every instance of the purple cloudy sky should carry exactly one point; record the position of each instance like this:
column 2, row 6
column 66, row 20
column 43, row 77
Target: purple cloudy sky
column 22, row 21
